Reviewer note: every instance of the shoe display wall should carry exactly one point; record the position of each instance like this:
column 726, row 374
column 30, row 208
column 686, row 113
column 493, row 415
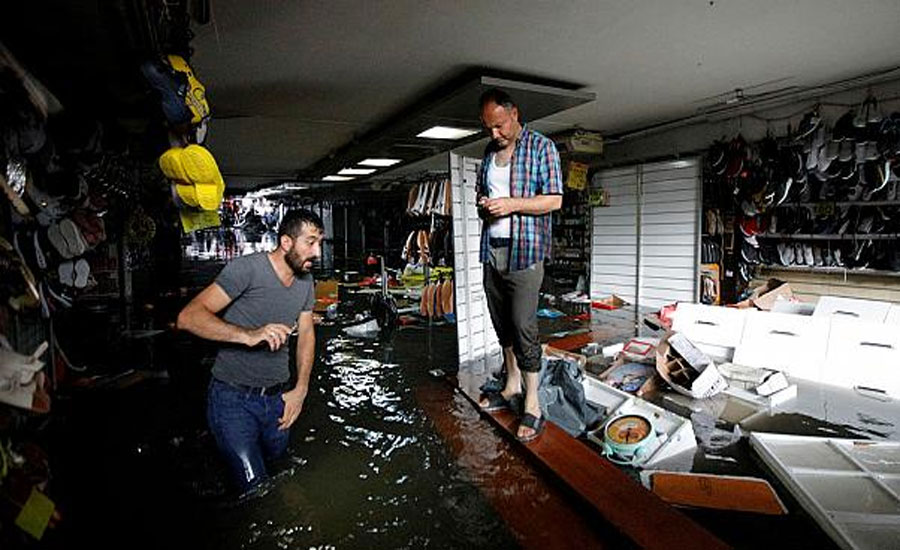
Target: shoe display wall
column 823, row 198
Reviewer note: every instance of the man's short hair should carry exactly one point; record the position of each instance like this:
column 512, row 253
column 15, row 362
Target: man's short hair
column 293, row 222
column 499, row 97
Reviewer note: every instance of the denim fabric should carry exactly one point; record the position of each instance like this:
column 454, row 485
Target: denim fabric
column 245, row 425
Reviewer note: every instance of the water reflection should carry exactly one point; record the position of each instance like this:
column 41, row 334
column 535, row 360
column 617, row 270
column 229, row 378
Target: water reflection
column 366, row 468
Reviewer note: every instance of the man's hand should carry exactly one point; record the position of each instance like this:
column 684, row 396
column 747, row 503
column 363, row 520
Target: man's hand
column 499, row 207
column 274, row 334
column 293, row 404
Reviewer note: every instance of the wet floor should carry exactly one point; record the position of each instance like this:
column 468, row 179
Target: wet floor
column 385, row 455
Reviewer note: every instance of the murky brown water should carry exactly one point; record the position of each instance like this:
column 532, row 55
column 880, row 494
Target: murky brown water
column 385, row 455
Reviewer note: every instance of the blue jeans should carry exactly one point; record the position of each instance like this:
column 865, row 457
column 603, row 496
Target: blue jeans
column 245, row 425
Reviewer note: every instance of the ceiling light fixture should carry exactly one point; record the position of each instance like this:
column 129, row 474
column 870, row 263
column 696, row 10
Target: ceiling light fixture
column 379, row 162
column 356, row 171
column 337, row 178
column 447, row 132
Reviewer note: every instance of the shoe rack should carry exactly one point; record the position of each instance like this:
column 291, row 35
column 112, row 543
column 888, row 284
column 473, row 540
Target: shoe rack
column 716, row 242
column 571, row 240
column 825, row 198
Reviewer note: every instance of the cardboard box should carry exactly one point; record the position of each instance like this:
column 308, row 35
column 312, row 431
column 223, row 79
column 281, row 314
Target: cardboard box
column 609, row 302
column 553, row 353
column 688, row 370
column 326, row 294
column 635, row 378
column 767, row 300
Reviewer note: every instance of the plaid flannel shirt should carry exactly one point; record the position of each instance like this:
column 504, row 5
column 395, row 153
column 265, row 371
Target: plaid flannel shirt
column 535, row 171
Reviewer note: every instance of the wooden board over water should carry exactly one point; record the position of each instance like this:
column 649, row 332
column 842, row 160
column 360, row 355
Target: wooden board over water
column 621, row 501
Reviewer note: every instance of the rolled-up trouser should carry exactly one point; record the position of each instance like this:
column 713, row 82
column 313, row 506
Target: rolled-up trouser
column 512, row 298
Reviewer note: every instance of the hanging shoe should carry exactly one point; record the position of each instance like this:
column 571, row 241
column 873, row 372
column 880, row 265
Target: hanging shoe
column 808, row 124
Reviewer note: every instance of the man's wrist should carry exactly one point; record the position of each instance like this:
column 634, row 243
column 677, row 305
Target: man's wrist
column 243, row 336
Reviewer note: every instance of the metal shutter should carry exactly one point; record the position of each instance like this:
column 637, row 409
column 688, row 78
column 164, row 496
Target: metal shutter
column 614, row 261
column 669, row 220
column 644, row 244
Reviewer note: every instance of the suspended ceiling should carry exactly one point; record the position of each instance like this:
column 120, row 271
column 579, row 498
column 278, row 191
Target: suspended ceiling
column 294, row 82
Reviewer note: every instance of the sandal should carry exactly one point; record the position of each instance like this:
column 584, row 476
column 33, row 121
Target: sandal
column 495, row 402
column 536, row 423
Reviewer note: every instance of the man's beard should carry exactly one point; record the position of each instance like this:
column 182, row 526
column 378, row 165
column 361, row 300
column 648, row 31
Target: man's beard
column 296, row 263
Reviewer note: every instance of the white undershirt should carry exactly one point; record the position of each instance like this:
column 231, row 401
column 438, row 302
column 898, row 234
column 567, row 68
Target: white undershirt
column 498, row 186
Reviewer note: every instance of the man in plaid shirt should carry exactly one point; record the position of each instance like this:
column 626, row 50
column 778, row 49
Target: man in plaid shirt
column 519, row 184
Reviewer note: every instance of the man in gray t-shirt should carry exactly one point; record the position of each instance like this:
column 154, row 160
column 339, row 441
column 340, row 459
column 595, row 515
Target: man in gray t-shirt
column 262, row 299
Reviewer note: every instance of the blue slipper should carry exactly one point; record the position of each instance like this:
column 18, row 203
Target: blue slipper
column 536, row 423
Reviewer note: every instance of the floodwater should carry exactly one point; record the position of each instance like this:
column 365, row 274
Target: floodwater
column 384, row 455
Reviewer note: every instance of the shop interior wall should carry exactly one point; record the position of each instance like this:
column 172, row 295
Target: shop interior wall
column 694, row 138
column 369, row 222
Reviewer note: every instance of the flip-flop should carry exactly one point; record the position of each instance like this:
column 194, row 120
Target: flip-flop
column 199, row 165
column 82, row 271
column 447, row 297
column 66, row 272
column 536, row 423
column 171, row 165
column 73, row 237
column 438, row 308
column 58, row 241
column 39, row 252
column 186, row 194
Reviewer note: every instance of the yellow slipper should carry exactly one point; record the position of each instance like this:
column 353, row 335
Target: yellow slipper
column 171, row 165
column 187, row 194
column 200, row 165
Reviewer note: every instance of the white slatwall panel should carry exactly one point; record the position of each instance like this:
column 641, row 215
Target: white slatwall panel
column 477, row 340
column 670, row 210
column 614, row 237
column 665, row 199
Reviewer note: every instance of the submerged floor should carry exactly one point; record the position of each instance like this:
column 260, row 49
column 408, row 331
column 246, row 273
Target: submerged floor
column 385, row 455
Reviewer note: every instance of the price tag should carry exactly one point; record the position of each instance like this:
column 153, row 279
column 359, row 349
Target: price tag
column 577, row 175
column 823, row 209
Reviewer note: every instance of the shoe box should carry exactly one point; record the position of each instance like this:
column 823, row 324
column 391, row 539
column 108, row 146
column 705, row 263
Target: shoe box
column 716, row 331
column 794, row 344
column 866, row 356
column 864, row 310
column 845, row 342
column 893, row 316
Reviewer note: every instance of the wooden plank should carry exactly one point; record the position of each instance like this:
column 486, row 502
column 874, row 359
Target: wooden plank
column 539, row 513
column 745, row 494
column 636, row 512
column 570, row 343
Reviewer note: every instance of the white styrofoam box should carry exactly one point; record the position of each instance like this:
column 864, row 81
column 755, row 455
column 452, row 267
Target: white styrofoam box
column 844, row 484
column 715, row 330
column 893, row 316
column 853, row 308
column 675, row 434
column 796, row 308
column 795, row 344
column 863, row 355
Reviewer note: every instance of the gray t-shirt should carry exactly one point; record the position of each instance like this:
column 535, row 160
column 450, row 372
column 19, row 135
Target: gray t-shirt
column 258, row 297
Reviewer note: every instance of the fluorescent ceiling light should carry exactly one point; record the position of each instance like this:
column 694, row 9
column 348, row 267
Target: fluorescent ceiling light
column 337, row 178
column 447, row 132
column 379, row 162
column 356, row 171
